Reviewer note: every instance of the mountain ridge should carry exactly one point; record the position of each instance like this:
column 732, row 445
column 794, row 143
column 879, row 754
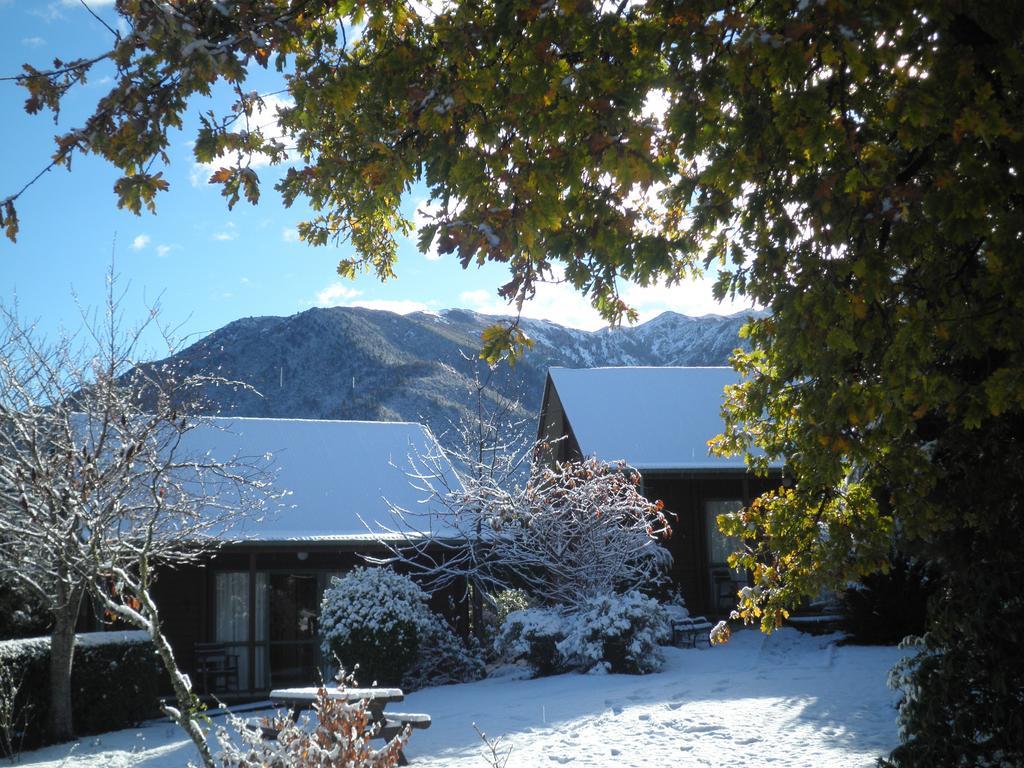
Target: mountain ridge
column 375, row 365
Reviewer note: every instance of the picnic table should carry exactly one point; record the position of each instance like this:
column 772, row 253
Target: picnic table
column 391, row 723
column 376, row 699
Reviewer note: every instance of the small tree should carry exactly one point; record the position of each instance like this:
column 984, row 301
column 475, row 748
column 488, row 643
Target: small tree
column 574, row 530
column 582, row 529
column 489, row 447
column 98, row 487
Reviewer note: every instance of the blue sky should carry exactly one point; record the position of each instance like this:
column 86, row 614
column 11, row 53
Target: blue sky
column 208, row 265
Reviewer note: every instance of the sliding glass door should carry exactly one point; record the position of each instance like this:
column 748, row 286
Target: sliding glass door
column 240, row 624
column 294, row 613
column 723, row 580
column 271, row 625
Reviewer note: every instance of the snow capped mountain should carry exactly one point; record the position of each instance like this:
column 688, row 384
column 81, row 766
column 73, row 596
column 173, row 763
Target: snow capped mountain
column 355, row 363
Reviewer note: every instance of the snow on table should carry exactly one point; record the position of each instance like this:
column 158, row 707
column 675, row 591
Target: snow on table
column 347, row 694
column 785, row 700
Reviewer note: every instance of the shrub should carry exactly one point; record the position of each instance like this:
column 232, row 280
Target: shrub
column 443, row 658
column 115, row 683
column 533, row 634
column 962, row 688
column 379, row 620
column 884, row 608
column 615, row 633
column 22, row 670
column 372, row 617
column 341, row 739
column 509, row 600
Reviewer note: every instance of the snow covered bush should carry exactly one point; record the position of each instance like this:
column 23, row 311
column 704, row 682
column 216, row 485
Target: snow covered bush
column 117, row 679
column 443, row 658
column 616, row 633
column 373, row 617
column 574, row 530
column 584, row 529
column 380, row 620
column 613, row 633
column 533, row 634
column 340, row 739
column 115, row 683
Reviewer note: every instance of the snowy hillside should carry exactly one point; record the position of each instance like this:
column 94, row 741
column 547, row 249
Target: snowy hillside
column 354, row 363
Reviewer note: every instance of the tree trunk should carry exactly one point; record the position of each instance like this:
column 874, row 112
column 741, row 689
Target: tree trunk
column 62, row 649
column 189, row 708
column 478, row 614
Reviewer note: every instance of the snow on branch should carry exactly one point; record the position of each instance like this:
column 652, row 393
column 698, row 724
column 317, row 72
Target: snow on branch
column 99, row 485
column 572, row 531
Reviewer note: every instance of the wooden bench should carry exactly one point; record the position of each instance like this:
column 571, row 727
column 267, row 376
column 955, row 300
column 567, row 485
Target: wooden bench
column 688, row 632
column 395, row 723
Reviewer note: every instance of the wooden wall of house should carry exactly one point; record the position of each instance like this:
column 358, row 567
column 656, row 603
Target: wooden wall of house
column 185, row 595
column 684, row 495
column 554, row 428
column 181, row 596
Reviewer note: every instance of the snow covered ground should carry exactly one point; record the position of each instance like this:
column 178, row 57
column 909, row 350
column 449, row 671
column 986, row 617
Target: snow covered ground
column 784, row 700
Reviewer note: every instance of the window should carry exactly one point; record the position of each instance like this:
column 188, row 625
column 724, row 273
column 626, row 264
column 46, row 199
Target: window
column 721, row 546
column 231, row 623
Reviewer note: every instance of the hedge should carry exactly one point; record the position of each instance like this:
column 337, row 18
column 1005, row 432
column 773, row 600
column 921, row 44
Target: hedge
column 116, row 681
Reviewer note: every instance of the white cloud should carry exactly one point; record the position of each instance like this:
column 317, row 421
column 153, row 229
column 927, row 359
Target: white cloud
column 290, row 235
column 140, row 242
column 561, row 303
column 230, row 232
column 477, row 298
column 690, row 297
column 265, row 119
column 342, row 295
column 47, row 13
column 243, row 280
column 33, row 42
column 336, row 294
column 200, row 174
column 556, row 302
column 163, row 250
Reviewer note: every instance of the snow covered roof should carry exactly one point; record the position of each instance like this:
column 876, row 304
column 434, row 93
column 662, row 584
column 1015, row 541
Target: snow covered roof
column 651, row 418
column 341, row 475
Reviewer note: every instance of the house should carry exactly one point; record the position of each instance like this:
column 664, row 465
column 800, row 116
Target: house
column 658, row 421
column 258, row 597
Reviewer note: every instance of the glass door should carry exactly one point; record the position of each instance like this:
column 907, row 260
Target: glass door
column 723, row 580
column 242, row 636
column 292, row 629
